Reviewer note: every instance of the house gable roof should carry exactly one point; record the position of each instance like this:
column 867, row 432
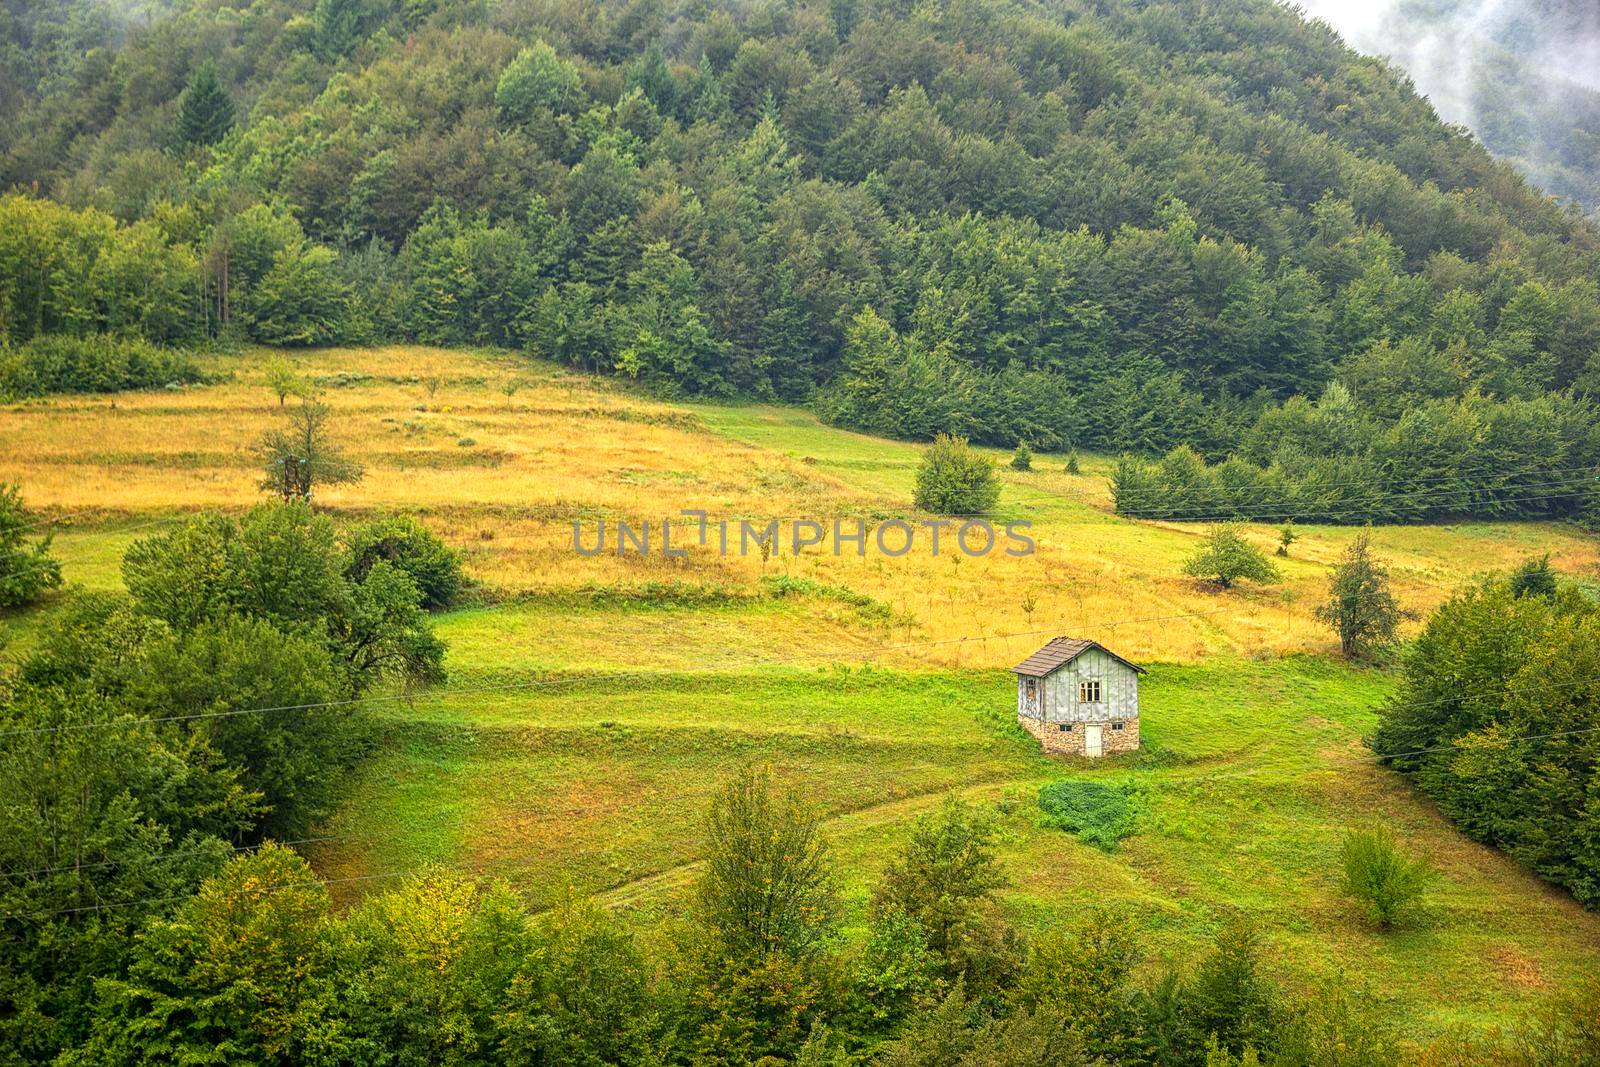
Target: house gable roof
column 1062, row 651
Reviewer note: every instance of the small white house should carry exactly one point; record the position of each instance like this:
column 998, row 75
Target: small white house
column 1079, row 698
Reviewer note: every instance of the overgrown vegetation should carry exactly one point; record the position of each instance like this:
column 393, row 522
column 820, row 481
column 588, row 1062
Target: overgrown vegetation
column 1099, row 813
column 95, row 363
column 27, row 570
column 1494, row 719
column 149, row 735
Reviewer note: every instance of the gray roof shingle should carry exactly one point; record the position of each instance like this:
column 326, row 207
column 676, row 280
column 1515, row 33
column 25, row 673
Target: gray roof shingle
column 1060, row 652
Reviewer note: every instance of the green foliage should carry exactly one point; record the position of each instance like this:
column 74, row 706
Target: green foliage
column 1360, row 607
column 284, row 564
column 27, row 570
column 956, row 1033
column 283, row 379
column 1072, row 462
column 1229, row 999
column 767, row 886
column 1494, row 720
column 1022, row 458
column 944, row 880
column 411, row 548
column 1086, row 973
column 300, row 459
column 587, row 1002
column 205, row 114
column 95, row 363
column 1378, row 875
column 1099, row 813
column 234, row 972
column 1287, row 536
column 338, row 24
column 300, row 300
column 103, row 829
column 1337, row 462
column 773, row 208
column 537, row 79
column 291, row 759
column 1535, row 577
column 955, row 480
column 1226, row 557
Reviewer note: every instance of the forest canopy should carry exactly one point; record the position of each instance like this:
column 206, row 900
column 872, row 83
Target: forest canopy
column 1119, row 226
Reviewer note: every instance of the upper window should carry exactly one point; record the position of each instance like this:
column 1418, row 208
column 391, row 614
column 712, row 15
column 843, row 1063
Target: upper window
column 1089, row 691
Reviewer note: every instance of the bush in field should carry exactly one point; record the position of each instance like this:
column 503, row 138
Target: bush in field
column 1022, row 458
column 299, row 459
column 1380, row 877
column 26, row 569
column 413, row 549
column 96, row 363
column 1099, row 813
column 1226, row 558
column 955, row 480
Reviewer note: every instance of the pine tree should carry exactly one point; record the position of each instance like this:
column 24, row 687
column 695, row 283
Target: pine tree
column 338, row 23
column 206, row 113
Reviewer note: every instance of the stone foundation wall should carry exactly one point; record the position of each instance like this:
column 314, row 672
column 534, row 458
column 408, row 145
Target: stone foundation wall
column 1060, row 742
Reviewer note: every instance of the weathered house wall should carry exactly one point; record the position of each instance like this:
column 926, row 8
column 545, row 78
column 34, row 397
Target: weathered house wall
column 1058, row 718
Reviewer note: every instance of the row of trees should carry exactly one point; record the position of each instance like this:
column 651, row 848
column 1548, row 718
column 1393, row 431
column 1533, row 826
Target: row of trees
column 149, row 735
column 1335, row 462
column 257, row 967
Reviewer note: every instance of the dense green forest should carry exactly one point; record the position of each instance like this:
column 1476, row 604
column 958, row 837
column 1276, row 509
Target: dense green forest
column 1115, row 225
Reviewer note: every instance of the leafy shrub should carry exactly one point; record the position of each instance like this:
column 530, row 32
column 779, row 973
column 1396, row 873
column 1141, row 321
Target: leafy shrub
column 1226, row 557
column 26, row 570
column 414, row 550
column 955, row 480
column 1100, row 814
column 97, row 363
column 1022, row 458
column 1385, row 881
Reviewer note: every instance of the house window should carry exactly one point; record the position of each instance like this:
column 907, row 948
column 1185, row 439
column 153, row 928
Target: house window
column 1089, row 691
column 1065, row 727
column 1116, row 726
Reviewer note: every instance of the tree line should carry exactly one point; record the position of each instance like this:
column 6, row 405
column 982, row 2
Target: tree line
column 1333, row 461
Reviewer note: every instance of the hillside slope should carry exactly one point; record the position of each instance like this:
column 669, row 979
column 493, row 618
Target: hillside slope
column 595, row 703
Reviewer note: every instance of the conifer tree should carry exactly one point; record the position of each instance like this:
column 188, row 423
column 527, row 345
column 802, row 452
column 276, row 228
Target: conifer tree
column 206, row 113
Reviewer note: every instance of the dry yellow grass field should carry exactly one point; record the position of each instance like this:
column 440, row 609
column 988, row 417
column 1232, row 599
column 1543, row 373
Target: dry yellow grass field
column 505, row 479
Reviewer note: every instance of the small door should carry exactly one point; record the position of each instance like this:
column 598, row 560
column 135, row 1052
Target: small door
column 1094, row 741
